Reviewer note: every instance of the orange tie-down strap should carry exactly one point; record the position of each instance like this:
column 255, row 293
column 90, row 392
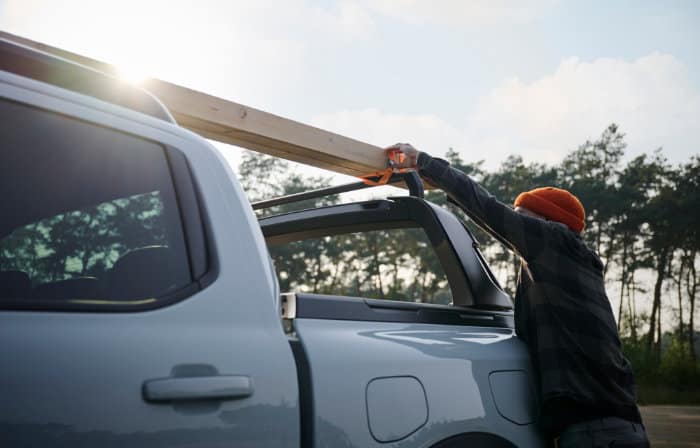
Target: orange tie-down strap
column 395, row 157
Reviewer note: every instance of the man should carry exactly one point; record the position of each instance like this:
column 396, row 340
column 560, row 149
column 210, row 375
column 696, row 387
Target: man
column 562, row 313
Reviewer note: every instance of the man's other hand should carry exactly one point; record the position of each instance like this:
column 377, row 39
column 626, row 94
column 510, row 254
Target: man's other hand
column 410, row 155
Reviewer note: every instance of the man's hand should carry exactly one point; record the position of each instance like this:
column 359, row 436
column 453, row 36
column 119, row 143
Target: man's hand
column 410, row 155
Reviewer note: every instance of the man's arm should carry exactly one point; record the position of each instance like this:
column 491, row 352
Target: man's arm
column 524, row 234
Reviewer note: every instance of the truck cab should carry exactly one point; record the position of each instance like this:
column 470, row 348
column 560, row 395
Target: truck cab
column 140, row 299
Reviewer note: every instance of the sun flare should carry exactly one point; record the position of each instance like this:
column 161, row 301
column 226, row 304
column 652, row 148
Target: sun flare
column 133, row 74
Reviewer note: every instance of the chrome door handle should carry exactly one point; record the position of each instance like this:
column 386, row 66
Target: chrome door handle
column 221, row 387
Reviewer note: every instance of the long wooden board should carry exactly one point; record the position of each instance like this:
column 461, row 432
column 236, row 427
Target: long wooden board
column 230, row 122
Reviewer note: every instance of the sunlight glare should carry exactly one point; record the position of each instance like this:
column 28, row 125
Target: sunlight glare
column 133, row 74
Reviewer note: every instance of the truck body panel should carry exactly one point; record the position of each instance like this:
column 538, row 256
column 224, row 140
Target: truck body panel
column 339, row 371
column 452, row 363
column 76, row 378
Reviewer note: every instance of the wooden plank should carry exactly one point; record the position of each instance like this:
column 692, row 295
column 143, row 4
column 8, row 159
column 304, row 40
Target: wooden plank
column 233, row 123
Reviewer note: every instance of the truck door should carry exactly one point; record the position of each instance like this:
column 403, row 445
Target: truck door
column 401, row 351
column 121, row 322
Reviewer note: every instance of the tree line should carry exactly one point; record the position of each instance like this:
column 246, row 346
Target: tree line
column 642, row 217
column 85, row 242
column 395, row 263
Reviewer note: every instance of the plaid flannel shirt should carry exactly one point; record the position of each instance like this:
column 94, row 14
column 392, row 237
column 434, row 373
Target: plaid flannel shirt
column 562, row 312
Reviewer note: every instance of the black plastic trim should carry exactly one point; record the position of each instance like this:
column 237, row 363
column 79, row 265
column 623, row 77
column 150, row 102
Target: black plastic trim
column 67, row 306
column 411, row 179
column 415, row 184
column 44, row 67
column 323, row 192
column 212, row 272
column 367, row 212
column 319, row 306
column 189, row 212
column 481, row 279
column 404, row 211
column 334, row 220
column 306, row 397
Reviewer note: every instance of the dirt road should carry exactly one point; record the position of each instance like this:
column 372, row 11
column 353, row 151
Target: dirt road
column 672, row 426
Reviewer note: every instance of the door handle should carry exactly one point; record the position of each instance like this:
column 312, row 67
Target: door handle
column 221, row 387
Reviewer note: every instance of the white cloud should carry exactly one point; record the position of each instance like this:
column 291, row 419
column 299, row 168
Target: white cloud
column 252, row 52
column 651, row 98
column 258, row 52
column 460, row 12
column 348, row 20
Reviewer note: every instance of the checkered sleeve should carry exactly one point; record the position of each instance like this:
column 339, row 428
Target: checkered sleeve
column 525, row 235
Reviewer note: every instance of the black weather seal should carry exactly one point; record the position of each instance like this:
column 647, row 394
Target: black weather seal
column 190, row 216
column 306, row 397
column 331, row 307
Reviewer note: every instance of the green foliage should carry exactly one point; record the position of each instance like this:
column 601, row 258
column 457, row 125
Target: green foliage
column 674, row 380
column 397, row 264
column 677, row 367
column 645, row 364
column 85, row 242
column 261, row 175
column 642, row 217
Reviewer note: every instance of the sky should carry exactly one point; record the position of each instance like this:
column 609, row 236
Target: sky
column 489, row 78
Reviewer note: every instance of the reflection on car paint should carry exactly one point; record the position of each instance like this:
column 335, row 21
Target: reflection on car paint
column 427, row 337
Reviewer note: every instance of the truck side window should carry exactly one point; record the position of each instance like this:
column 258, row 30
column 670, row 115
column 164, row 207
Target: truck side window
column 89, row 214
column 391, row 264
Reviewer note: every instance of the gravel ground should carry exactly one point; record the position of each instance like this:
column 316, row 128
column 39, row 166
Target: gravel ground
column 672, row 426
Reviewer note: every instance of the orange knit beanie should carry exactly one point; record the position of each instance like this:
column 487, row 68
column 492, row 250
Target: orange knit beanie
column 554, row 204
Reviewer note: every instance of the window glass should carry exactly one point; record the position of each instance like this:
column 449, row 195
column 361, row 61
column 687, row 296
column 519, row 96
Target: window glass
column 391, row 264
column 89, row 215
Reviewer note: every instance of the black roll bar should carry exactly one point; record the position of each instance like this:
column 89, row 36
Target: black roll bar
column 410, row 178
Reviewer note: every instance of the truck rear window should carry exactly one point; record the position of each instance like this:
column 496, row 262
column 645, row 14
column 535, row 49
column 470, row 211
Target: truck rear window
column 391, row 264
column 89, row 214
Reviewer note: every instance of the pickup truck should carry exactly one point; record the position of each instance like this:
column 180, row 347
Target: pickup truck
column 140, row 306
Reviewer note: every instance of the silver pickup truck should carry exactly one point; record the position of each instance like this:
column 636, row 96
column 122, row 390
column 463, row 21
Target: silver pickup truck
column 139, row 305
